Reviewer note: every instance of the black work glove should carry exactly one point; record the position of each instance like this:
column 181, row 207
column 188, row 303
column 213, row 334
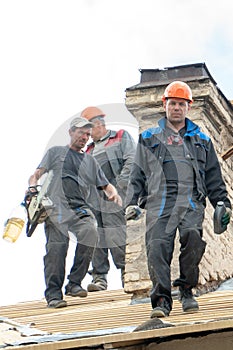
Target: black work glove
column 133, row 212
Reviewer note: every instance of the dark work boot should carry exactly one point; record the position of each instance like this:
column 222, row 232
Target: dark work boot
column 75, row 290
column 98, row 283
column 162, row 308
column 57, row 304
column 189, row 303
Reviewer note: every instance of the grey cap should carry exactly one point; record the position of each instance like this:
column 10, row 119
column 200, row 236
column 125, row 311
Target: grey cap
column 80, row 122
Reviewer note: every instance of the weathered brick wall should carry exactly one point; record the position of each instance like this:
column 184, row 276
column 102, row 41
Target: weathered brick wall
column 213, row 113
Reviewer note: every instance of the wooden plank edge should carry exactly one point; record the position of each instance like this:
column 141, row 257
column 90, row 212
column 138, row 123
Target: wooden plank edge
column 123, row 339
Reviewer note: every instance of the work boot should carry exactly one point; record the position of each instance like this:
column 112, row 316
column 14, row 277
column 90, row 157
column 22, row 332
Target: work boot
column 162, row 308
column 75, row 290
column 189, row 303
column 57, row 304
column 98, row 283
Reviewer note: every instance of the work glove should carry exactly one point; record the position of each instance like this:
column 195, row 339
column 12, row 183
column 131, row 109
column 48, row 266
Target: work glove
column 226, row 217
column 133, row 212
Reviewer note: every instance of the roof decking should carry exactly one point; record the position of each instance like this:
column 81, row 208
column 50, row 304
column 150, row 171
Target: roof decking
column 106, row 317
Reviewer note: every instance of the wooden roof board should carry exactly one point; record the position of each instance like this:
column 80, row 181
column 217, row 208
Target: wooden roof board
column 107, row 311
column 227, row 154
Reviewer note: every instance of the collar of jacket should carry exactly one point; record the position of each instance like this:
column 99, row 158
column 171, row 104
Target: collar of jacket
column 110, row 134
column 191, row 127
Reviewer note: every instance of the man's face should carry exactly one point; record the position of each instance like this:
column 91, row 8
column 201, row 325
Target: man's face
column 79, row 137
column 176, row 110
column 98, row 130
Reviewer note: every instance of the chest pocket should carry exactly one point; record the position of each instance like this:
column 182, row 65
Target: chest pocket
column 153, row 167
column 200, row 150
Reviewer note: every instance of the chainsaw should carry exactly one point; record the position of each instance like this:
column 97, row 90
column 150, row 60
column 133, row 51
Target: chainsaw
column 38, row 204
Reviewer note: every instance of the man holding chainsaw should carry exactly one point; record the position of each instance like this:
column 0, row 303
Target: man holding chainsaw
column 178, row 166
column 74, row 174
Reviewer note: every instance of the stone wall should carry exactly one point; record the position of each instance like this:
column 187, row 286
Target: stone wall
column 214, row 114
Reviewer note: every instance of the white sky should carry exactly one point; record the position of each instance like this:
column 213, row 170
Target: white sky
column 58, row 57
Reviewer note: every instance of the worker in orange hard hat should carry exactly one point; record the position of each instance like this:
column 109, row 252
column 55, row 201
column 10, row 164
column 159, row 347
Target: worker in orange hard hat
column 114, row 151
column 177, row 165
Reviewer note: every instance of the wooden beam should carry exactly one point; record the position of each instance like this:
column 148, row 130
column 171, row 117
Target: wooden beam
column 227, row 154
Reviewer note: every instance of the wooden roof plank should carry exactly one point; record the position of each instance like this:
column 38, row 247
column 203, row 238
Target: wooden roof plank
column 95, row 313
column 132, row 337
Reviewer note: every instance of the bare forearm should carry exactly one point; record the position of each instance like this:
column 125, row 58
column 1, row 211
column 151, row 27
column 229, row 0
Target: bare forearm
column 33, row 179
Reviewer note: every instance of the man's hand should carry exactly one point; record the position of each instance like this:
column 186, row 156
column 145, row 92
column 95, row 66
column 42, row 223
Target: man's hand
column 116, row 199
column 226, row 217
column 29, row 193
column 112, row 194
column 132, row 212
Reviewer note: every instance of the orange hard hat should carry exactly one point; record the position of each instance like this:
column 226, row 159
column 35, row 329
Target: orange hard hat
column 92, row 112
column 178, row 89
